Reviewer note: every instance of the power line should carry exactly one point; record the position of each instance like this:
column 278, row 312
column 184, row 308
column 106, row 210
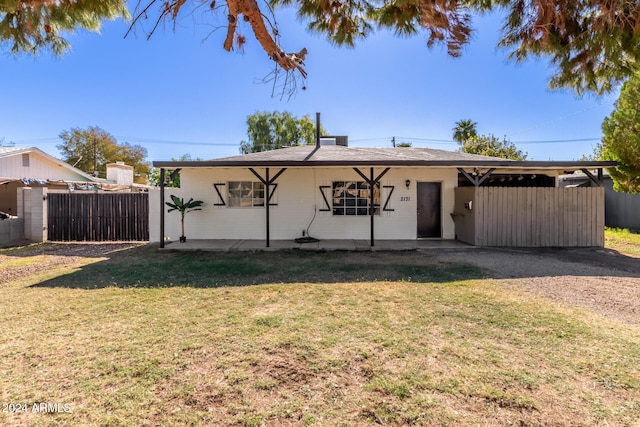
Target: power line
column 557, row 141
column 399, row 139
column 566, row 116
column 56, row 140
column 451, row 142
column 162, row 141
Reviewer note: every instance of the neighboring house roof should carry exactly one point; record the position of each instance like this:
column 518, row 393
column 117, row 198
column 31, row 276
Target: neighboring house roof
column 335, row 155
column 74, row 174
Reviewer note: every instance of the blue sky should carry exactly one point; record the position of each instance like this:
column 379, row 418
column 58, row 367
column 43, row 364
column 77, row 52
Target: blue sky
column 181, row 94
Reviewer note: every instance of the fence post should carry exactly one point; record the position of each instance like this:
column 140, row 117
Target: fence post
column 35, row 214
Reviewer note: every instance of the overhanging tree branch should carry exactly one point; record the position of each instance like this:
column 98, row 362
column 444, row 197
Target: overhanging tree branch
column 592, row 44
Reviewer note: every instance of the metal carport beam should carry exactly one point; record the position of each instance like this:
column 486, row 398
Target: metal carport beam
column 477, row 180
column 598, row 180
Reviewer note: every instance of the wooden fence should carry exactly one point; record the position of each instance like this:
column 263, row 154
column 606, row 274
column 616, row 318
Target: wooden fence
column 98, row 216
column 622, row 210
column 539, row 217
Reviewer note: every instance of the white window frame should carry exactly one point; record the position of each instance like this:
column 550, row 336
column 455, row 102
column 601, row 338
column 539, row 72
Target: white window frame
column 245, row 194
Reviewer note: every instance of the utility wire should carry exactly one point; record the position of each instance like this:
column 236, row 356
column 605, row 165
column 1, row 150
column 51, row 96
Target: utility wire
column 398, row 139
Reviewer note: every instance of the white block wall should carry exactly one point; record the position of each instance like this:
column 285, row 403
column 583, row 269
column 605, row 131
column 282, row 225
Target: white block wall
column 298, row 197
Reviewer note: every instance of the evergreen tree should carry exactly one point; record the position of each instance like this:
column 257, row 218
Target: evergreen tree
column 30, row 26
column 593, row 45
column 621, row 138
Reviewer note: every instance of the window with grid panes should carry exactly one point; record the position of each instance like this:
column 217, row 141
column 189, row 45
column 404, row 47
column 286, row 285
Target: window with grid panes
column 352, row 198
column 246, row 194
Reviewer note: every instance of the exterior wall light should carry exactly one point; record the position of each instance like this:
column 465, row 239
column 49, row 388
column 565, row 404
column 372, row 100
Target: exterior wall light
column 407, row 183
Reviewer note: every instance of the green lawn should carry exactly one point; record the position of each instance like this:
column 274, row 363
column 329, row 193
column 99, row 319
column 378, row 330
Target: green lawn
column 141, row 337
column 622, row 240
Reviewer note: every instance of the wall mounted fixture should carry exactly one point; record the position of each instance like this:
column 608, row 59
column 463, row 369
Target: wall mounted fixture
column 407, row 183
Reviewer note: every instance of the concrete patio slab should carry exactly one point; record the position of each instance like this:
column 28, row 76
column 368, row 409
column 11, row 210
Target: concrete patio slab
column 323, row 245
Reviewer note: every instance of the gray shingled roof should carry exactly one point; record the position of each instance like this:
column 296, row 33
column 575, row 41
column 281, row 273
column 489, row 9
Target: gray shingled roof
column 10, row 151
column 335, row 155
column 328, row 153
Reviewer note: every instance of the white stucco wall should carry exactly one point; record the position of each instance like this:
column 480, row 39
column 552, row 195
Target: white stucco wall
column 298, row 197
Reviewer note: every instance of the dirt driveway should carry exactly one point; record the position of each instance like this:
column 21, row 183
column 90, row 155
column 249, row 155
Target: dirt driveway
column 599, row 279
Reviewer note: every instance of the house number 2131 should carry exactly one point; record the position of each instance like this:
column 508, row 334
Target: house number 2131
column 405, row 198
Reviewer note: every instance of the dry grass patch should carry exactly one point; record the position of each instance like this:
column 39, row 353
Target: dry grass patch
column 623, row 241
column 338, row 349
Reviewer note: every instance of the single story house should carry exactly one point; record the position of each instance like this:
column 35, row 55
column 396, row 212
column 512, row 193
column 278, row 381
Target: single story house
column 41, row 195
column 32, row 167
column 334, row 191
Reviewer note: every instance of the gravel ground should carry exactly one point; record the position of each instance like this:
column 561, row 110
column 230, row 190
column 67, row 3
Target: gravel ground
column 599, row 279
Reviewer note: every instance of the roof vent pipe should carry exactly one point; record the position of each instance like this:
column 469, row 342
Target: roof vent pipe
column 317, row 130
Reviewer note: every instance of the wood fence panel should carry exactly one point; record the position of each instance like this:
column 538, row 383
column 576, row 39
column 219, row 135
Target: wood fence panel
column 539, row 217
column 577, row 220
column 558, row 219
column 98, row 216
column 491, row 234
column 588, row 218
column 601, row 218
column 483, row 227
column 529, row 206
column 549, row 217
column 480, row 216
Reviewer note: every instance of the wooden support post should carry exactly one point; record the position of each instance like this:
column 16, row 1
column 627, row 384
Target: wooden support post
column 471, row 179
column 485, row 176
column 267, row 182
column 372, row 185
column 161, row 207
column 266, row 203
column 476, row 180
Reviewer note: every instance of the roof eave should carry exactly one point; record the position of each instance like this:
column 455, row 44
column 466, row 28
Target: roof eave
column 434, row 163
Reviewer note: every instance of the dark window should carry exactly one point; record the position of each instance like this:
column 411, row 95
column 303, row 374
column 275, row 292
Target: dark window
column 353, row 197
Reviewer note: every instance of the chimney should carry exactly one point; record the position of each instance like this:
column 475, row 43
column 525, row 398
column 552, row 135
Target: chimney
column 342, row 140
column 119, row 173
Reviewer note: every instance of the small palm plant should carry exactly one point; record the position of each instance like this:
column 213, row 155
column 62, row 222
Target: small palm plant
column 183, row 207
